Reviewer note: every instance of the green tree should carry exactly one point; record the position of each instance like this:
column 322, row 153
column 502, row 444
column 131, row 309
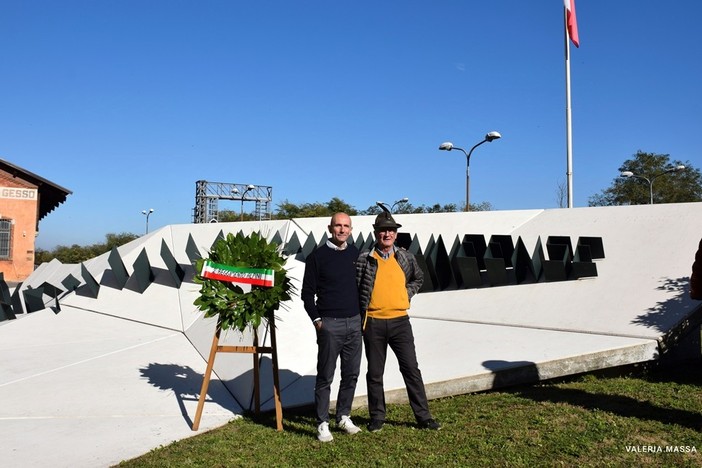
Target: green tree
column 80, row 253
column 336, row 205
column 289, row 210
column 375, row 210
column 228, row 216
column 115, row 240
column 482, row 206
column 408, row 208
column 652, row 172
column 42, row 256
column 314, row 210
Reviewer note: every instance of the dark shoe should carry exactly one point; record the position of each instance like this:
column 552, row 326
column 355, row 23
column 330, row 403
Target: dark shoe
column 429, row 424
column 375, row 425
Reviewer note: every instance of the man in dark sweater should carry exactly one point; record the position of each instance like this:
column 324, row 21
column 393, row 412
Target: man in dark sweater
column 330, row 295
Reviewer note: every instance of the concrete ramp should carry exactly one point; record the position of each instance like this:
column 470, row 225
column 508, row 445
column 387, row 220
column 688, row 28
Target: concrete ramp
column 110, row 363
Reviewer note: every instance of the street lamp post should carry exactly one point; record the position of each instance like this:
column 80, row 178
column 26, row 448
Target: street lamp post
column 147, row 213
column 248, row 189
column 629, row 174
column 398, row 202
column 382, row 204
column 448, row 146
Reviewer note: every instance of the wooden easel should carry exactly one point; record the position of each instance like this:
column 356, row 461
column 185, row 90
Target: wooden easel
column 255, row 350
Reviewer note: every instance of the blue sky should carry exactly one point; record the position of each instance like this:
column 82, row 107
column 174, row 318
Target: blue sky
column 128, row 103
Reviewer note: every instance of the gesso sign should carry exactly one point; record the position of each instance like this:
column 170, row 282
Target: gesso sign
column 18, row 193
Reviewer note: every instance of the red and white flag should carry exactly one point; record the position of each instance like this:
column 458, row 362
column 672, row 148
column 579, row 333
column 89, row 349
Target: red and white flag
column 571, row 22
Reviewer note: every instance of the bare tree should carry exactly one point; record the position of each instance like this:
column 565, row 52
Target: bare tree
column 561, row 194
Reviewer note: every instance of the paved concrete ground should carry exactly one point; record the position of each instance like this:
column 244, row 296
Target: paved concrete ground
column 109, row 378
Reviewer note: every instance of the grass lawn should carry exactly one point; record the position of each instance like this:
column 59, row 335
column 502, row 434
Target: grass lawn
column 645, row 416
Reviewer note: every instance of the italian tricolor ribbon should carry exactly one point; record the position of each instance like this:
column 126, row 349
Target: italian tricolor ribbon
column 254, row 276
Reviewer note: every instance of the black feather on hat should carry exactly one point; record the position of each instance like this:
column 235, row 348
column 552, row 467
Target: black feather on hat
column 385, row 220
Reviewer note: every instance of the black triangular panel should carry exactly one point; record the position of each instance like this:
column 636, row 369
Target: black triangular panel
column 404, row 240
column 465, row 269
column 143, row 275
column 293, row 246
column 70, row 282
column 523, row 266
column 309, row 247
column 538, row 257
column 416, row 250
column 219, row 237
column 17, row 301
column 51, row 290
column 277, row 239
column 6, row 312
column 359, row 242
column 33, row 299
column 595, row 244
column 4, row 290
column 428, row 251
column 91, row 285
column 118, row 269
column 442, row 266
column 474, row 246
column 370, row 241
column 192, row 251
column 174, row 269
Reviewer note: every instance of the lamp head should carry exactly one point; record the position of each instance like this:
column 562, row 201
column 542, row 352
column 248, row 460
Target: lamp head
column 235, row 190
column 402, row 200
column 446, row 146
column 151, row 210
column 250, row 187
column 680, row 168
column 627, row 174
column 492, row 136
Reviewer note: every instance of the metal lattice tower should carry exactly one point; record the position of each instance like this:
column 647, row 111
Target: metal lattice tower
column 208, row 194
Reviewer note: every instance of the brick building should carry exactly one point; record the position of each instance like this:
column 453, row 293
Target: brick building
column 25, row 198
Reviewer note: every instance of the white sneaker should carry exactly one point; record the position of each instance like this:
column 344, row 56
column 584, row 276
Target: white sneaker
column 323, row 433
column 345, row 424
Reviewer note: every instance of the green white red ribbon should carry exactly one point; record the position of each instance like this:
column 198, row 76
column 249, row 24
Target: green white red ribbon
column 253, row 276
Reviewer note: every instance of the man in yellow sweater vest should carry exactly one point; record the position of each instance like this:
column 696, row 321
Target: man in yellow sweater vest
column 387, row 279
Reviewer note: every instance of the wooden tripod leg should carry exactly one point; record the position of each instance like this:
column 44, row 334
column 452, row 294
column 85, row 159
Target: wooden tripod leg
column 276, row 382
column 256, row 375
column 206, row 380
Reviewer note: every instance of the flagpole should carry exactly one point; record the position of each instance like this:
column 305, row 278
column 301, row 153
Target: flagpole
column 569, row 129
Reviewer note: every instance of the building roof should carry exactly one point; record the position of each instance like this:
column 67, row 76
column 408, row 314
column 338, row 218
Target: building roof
column 51, row 195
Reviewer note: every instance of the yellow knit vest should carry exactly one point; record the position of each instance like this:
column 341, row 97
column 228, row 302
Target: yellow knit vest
column 389, row 298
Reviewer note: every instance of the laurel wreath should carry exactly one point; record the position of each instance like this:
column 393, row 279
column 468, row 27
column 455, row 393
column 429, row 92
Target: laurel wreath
column 235, row 308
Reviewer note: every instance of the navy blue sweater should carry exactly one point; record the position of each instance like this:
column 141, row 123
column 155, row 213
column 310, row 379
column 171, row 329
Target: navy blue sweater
column 330, row 275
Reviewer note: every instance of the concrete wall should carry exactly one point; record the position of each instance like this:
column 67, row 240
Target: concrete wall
column 464, row 336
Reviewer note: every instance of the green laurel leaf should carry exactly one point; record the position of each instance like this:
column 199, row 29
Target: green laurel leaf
column 234, row 308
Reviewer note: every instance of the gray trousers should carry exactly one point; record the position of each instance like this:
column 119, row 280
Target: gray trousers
column 339, row 337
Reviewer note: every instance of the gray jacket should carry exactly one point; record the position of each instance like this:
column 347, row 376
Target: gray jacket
column 367, row 267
